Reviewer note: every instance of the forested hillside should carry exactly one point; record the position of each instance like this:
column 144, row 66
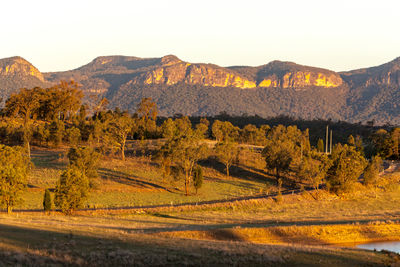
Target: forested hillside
column 197, row 89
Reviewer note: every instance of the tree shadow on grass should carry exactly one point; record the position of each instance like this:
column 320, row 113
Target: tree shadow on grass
column 48, row 159
column 241, row 184
column 160, row 215
column 123, row 178
column 36, row 247
column 239, row 171
column 286, row 237
column 224, row 234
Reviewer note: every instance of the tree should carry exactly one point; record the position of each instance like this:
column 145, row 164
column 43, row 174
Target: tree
column 351, row 141
column 14, row 168
column 285, row 146
column 202, row 127
column 72, row 190
column 97, row 130
column 347, row 166
column 371, row 173
column 56, row 130
column 82, row 113
column 47, row 201
column 73, row 136
column 147, row 109
column 227, row 152
column 25, row 104
column 184, row 148
column 320, row 145
column 224, row 131
column 60, row 101
column 394, row 142
column 101, row 105
column 250, row 134
column 313, row 169
column 119, row 127
column 86, row 160
column 359, row 144
column 147, row 114
column 173, row 131
column 382, row 143
column 41, row 134
column 186, row 151
column 168, row 128
column 197, row 178
column 165, row 167
column 278, row 156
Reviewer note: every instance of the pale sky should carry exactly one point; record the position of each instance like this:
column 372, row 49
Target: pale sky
column 336, row 34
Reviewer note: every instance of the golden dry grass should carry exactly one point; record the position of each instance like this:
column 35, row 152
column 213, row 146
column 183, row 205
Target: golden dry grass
column 341, row 234
column 109, row 240
column 138, row 182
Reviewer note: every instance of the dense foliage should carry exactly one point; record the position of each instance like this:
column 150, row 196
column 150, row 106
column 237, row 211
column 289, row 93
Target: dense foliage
column 47, row 201
column 14, row 168
column 85, row 159
column 72, row 190
column 184, row 147
column 347, row 166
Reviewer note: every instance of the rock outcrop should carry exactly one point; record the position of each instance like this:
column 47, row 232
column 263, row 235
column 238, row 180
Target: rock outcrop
column 291, row 75
column 170, row 70
column 173, row 70
column 17, row 66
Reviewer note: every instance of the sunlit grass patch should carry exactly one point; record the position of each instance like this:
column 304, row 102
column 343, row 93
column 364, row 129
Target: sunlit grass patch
column 136, row 182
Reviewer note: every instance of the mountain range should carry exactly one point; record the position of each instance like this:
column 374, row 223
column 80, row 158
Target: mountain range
column 179, row 87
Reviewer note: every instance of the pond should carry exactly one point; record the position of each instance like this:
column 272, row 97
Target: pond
column 393, row 246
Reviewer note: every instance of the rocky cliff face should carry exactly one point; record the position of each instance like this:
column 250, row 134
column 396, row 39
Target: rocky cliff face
column 17, row 66
column 172, row 70
column 291, row 75
column 16, row 73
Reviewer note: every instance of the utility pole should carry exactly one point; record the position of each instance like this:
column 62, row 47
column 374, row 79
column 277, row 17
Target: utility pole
column 330, row 150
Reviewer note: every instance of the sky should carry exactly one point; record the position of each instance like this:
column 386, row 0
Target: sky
column 339, row 35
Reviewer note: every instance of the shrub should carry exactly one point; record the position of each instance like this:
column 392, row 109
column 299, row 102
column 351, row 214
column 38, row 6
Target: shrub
column 371, row 173
column 85, row 159
column 14, row 168
column 47, row 201
column 72, row 190
column 73, row 136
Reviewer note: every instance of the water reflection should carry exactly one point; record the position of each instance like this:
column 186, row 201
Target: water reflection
column 390, row 245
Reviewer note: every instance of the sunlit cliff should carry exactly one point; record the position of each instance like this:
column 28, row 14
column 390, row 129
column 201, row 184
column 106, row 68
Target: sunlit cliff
column 18, row 66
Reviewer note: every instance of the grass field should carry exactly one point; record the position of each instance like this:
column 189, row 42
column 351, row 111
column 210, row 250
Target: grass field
column 173, row 237
column 138, row 182
column 303, row 229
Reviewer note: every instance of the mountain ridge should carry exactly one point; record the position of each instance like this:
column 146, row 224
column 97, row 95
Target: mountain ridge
column 275, row 88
